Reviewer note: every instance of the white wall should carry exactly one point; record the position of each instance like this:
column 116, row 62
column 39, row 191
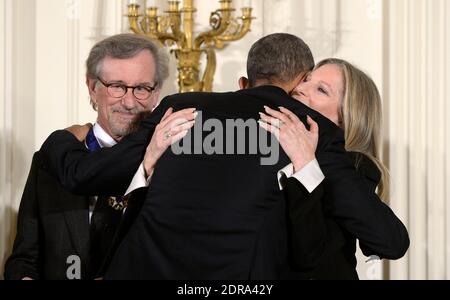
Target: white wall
column 60, row 70
column 17, row 108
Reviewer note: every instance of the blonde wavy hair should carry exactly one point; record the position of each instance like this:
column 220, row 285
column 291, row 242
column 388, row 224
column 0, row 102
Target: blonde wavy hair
column 360, row 117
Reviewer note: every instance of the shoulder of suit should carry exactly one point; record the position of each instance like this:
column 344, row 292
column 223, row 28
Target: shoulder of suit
column 366, row 167
column 194, row 95
column 40, row 160
column 55, row 138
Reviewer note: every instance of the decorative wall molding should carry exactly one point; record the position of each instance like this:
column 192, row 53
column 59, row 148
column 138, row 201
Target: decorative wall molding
column 315, row 21
column 324, row 25
column 73, row 9
column 276, row 14
column 5, row 126
column 445, row 80
column 17, row 141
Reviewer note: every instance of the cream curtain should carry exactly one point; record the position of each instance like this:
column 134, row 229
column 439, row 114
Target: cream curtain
column 418, row 108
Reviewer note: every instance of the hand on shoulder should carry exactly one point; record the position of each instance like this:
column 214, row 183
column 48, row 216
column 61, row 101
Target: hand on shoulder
column 80, row 131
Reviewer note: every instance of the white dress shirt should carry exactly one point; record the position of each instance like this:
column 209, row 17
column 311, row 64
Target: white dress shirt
column 105, row 141
column 310, row 176
column 139, row 180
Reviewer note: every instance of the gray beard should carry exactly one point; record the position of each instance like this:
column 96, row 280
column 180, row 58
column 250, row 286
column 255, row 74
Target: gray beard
column 120, row 131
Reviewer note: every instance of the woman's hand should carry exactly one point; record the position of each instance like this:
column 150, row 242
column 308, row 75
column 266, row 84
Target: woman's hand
column 299, row 143
column 172, row 128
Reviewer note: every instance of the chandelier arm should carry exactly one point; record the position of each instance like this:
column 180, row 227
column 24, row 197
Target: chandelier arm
column 164, row 37
column 211, row 34
column 133, row 18
column 239, row 34
column 244, row 28
column 134, row 25
column 177, row 35
column 210, row 69
column 176, row 30
column 145, row 26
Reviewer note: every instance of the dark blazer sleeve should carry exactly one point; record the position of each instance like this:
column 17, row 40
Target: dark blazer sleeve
column 369, row 171
column 24, row 260
column 311, row 235
column 356, row 207
column 103, row 172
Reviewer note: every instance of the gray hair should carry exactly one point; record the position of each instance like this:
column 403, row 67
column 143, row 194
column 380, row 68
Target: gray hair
column 279, row 57
column 123, row 46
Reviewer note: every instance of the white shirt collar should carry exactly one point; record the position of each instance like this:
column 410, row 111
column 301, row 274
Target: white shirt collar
column 104, row 139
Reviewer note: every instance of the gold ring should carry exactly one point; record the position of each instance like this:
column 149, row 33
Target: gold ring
column 167, row 135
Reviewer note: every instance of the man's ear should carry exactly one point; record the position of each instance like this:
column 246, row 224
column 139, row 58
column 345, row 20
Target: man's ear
column 91, row 83
column 243, row 83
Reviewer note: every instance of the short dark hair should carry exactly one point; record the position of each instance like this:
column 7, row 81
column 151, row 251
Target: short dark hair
column 279, row 57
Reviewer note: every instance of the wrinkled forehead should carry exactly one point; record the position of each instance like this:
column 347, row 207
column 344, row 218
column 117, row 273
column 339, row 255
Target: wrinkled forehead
column 136, row 69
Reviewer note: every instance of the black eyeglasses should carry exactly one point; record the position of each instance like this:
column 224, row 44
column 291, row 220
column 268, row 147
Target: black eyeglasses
column 118, row 90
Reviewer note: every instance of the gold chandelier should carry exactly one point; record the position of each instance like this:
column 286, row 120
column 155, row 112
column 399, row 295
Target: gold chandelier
column 175, row 29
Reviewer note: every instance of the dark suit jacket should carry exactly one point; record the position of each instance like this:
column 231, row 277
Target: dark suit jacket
column 205, row 216
column 53, row 224
column 322, row 245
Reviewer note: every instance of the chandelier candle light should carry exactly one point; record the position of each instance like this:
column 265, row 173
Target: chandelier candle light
column 175, row 29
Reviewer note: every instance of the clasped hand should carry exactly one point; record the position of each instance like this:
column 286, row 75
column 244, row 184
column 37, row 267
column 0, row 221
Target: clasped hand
column 297, row 141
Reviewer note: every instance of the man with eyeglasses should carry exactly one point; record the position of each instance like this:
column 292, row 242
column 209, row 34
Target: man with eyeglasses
column 64, row 236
